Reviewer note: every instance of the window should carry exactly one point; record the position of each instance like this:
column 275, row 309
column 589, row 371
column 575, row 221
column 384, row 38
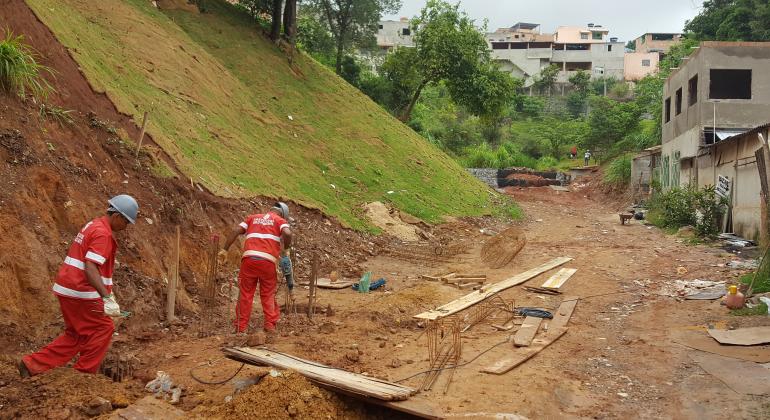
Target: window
column 730, row 84
column 499, row 45
column 662, row 37
column 692, row 91
column 678, row 103
column 583, row 36
column 380, row 26
column 516, row 36
column 406, row 31
column 668, row 109
column 609, row 47
column 645, row 63
column 596, row 35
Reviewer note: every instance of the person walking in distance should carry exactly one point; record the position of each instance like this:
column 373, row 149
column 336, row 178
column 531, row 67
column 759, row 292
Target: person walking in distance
column 268, row 239
column 83, row 287
column 586, row 157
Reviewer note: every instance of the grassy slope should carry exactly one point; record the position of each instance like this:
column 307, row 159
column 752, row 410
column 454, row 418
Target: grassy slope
column 220, row 95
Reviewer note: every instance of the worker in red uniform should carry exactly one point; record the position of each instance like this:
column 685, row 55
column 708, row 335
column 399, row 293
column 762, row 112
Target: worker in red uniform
column 84, row 289
column 268, row 238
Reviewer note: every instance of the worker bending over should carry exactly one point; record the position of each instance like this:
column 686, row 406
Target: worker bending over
column 268, row 237
column 84, row 289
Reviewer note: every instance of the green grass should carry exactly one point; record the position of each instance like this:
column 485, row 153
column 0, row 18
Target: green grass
column 20, row 72
column 220, row 96
column 760, row 309
column 761, row 284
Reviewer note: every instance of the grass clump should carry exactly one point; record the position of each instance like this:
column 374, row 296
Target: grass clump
column 618, row 173
column 58, row 114
column 20, row 72
column 760, row 309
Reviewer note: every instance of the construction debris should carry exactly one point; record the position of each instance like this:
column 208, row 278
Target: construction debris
column 742, row 336
column 500, row 249
column 558, row 279
column 328, row 376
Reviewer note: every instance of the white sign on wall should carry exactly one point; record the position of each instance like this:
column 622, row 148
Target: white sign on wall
column 723, row 186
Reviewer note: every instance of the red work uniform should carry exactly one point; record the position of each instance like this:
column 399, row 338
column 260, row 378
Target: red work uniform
column 260, row 253
column 88, row 331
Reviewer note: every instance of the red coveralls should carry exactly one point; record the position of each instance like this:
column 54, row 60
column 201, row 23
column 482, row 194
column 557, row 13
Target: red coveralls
column 260, row 253
column 88, row 331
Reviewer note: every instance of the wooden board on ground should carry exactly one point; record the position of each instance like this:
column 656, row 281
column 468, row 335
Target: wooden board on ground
column 742, row 336
column 417, row 407
column 740, row 376
column 327, row 375
column 527, row 331
column 521, row 355
column 698, row 340
column 558, row 279
column 489, row 290
column 325, row 283
column 563, row 314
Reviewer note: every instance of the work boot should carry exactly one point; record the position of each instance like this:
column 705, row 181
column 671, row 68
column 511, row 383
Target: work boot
column 23, row 371
column 270, row 336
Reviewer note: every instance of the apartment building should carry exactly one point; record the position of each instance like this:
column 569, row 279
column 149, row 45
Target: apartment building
column 394, row 33
column 719, row 93
column 523, row 51
column 649, row 49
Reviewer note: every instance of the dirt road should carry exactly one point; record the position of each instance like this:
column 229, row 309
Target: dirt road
column 619, row 359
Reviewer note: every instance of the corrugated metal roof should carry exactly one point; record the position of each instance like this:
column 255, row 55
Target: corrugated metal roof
column 738, row 134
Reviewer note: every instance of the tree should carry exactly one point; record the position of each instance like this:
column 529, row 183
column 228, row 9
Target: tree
column 352, row 21
column 314, row 38
column 275, row 27
column 403, row 76
column 290, row 21
column 731, row 20
column 580, row 81
column 609, row 122
column 448, row 47
column 545, row 81
column 631, row 45
column 576, row 101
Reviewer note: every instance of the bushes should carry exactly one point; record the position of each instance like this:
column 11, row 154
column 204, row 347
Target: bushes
column 689, row 206
column 19, row 71
column 618, row 174
column 505, row 156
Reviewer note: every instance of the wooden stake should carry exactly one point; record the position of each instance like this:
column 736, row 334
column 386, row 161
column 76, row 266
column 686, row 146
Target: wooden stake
column 313, row 282
column 141, row 134
column 173, row 280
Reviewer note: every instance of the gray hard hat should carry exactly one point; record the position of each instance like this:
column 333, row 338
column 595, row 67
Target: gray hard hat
column 282, row 209
column 125, row 205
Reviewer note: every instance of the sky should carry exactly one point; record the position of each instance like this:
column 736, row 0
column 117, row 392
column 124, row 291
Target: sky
column 624, row 19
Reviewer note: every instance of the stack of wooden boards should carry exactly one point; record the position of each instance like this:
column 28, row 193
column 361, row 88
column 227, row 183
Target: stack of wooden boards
column 526, row 345
column 460, row 281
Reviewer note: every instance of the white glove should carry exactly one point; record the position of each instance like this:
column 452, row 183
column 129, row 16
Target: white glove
column 111, row 307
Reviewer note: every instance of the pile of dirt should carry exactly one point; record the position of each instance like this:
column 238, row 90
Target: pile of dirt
column 61, row 393
column 393, row 224
column 500, row 249
column 283, row 395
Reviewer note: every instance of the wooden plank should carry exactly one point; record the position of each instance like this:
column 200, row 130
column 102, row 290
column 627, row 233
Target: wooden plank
column 742, row 336
column 415, row 406
column 558, row 279
column 325, row 283
column 527, row 331
column 521, row 355
column 563, row 313
column 327, row 375
column 489, row 290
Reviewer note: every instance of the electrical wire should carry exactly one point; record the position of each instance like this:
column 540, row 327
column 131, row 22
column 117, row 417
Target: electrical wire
column 192, row 374
column 453, row 366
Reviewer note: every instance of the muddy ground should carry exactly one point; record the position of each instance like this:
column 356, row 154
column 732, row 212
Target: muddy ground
column 619, row 359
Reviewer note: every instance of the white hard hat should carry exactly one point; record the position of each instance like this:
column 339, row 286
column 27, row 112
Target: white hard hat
column 125, row 205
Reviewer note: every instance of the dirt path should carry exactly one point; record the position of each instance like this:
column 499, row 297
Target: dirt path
column 619, row 358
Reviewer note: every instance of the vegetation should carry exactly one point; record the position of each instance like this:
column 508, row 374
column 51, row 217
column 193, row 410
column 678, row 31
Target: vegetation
column 20, row 73
column 618, row 173
column 232, row 132
column 678, row 207
column 731, row 20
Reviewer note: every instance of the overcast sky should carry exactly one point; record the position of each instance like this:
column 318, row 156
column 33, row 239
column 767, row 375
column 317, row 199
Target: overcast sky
column 624, row 19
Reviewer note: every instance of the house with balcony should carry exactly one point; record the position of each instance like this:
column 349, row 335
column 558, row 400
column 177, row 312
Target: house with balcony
column 523, row 51
column 394, row 33
column 717, row 95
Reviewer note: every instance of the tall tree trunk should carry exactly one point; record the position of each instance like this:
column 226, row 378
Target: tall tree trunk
column 340, row 50
column 290, row 20
column 408, row 111
column 275, row 30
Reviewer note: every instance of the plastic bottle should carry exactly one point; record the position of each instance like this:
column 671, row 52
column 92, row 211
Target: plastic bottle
column 734, row 298
column 363, row 285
